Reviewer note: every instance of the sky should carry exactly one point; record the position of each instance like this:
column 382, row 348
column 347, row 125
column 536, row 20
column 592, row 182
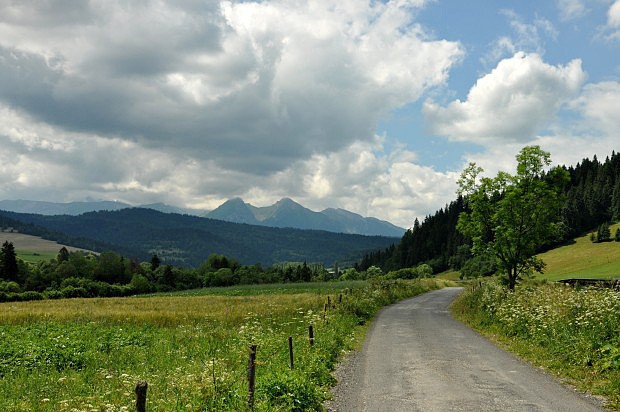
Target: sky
column 371, row 106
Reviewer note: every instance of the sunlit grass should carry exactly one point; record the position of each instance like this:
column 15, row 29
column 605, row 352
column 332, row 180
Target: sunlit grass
column 88, row 354
column 583, row 259
column 574, row 333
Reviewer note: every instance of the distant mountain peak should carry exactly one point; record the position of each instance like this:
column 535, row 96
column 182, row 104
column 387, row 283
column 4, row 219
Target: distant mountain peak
column 288, row 213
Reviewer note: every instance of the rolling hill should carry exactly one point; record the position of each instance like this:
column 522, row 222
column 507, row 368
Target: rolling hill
column 583, row 259
column 185, row 240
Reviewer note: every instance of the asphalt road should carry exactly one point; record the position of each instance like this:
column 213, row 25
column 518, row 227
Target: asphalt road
column 416, row 357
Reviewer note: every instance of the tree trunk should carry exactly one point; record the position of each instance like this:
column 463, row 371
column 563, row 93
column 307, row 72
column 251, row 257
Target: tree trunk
column 512, row 278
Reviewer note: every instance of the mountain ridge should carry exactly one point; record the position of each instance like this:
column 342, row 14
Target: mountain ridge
column 288, row 213
column 284, row 213
column 185, row 240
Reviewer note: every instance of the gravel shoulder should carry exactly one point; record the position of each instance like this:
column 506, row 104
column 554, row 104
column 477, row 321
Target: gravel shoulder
column 417, row 357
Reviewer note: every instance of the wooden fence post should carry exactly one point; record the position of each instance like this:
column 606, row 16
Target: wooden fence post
column 311, row 335
column 251, row 376
column 340, row 299
column 141, row 396
column 290, row 352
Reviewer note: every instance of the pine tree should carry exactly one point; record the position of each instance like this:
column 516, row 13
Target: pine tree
column 8, row 262
column 603, row 233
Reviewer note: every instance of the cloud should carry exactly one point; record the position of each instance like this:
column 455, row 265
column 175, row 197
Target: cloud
column 42, row 162
column 526, row 37
column 599, row 104
column 593, row 130
column 571, row 9
column 613, row 14
column 364, row 178
column 613, row 21
column 249, row 86
column 510, row 104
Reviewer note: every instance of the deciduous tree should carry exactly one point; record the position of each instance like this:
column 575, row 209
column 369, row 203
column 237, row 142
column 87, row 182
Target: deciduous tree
column 511, row 216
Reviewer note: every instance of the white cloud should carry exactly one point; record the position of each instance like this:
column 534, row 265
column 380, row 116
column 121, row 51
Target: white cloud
column 613, row 14
column 526, row 37
column 571, row 9
column 613, row 22
column 275, row 80
column 593, row 132
column 510, row 104
column 599, row 104
column 363, row 178
column 194, row 102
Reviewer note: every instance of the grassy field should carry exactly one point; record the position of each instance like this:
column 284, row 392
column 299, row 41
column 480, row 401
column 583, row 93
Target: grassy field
column 583, row 259
column 88, row 354
column 32, row 248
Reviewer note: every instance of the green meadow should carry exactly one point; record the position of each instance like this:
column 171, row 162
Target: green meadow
column 192, row 349
column 583, row 259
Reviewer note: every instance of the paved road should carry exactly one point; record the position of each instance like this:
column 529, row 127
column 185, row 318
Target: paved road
column 416, row 357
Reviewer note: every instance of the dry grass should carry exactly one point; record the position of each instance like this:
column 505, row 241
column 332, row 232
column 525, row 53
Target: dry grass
column 30, row 243
column 159, row 311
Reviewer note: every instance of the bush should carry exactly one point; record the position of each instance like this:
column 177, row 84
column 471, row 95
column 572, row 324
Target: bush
column 478, row 266
column 52, row 294
column 10, row 287
column 73, row 292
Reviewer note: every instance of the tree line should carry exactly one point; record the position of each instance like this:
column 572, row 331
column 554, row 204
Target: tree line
column 591, row 201
column 84, row 274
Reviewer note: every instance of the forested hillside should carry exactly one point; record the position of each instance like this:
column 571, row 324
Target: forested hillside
column 184, row 240
column 592, row 199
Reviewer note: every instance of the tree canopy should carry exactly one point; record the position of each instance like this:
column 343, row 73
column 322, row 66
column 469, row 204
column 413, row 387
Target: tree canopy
column 511, row 216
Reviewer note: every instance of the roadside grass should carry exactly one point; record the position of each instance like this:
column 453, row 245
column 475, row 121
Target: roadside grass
column 573, row 333
column 453, row 275
column 88, row 354
column 583, row 259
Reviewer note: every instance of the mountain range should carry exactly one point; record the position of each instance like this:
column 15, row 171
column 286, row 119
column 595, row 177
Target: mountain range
column 285, row 213
column 288, row 213
column 185, row 240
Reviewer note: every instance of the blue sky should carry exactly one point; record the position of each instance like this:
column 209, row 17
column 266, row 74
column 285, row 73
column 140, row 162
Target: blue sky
column 370, row 106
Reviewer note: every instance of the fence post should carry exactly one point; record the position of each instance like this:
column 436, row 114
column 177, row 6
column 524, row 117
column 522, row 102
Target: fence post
column 340, row 299
column 324, row 311
column 141, row 396
column 290, row 352
column 251, row 376
column 311, row 335
column 329, row 302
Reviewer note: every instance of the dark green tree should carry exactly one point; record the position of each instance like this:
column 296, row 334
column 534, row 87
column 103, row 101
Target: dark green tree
column 155, row 262
column 63, row 255
column 603, row 233
column 8, row 262
column 512, row 216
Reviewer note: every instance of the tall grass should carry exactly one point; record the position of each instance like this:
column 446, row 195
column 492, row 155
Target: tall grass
column 87, row 354
column 573, row 332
